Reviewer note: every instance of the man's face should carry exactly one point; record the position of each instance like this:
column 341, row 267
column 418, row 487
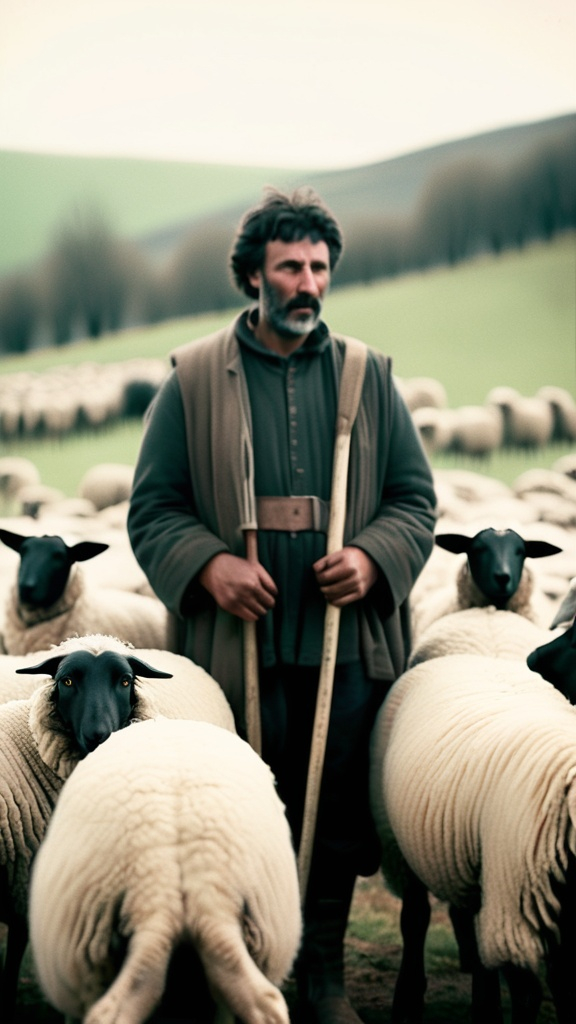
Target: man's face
column 292, row 284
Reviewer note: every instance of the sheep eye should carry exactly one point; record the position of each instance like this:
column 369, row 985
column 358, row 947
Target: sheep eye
column 66, row 681
column 126, row 681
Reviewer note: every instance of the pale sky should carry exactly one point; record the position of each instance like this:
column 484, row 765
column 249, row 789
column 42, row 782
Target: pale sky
column 299, row 83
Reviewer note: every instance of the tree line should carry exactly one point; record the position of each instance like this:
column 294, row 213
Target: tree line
column 91, row 281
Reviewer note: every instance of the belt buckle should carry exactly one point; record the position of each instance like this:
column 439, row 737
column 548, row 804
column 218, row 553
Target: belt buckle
column 319, row 514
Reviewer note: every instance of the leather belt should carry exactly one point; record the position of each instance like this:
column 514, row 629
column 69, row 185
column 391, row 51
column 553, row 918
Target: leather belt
column 292, row 514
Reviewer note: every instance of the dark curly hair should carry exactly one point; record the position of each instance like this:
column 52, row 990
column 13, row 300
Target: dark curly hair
column 303, row 214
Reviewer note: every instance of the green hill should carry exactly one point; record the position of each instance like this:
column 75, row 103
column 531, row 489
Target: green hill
column 138, row 197
column 156, row 202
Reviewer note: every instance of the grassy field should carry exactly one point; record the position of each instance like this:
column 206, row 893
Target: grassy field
column 507, row 320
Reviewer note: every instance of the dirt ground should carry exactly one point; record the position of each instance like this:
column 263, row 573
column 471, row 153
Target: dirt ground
column 373, row 952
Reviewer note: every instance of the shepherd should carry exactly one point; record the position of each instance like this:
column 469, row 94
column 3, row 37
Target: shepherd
column 234, row 490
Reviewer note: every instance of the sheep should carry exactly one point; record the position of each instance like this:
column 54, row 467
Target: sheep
column 191, row 693
column 473, row 792
column 493, row 573
column 477, row 430
column 51, row 600
column 418, row 392
column 97, row 685
column 15, row 472
column 435, row 426
column 564, row 410
column 528, row 421
column 556, row 662
column 566, row 464
column 501, row 634
column 553, row 494
column 107, row 483
column 170, row 833
column 34, row 497
column 38, row 749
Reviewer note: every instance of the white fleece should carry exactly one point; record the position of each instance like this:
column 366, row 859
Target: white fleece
column 170, row 830
column 473, row 783
column 485, row 631
column 81, row 609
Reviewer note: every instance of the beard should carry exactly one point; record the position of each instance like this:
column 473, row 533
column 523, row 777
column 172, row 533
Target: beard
column 283, row 316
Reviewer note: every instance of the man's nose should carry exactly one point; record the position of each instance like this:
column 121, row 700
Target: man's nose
column 307, row 281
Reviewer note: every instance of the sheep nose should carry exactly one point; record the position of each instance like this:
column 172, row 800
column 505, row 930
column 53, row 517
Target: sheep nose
column 88, row 743
column 26, row 593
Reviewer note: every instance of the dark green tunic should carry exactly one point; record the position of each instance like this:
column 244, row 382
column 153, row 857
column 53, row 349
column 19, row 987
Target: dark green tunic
column 193, row 483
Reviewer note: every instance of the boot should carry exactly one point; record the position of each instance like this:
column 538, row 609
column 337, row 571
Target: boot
column 319, row 970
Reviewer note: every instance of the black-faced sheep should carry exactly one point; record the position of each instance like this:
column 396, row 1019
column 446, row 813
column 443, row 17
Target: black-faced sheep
column 170, row 833
column 473, row 793
column 38, row 749
column 556, row 662
column 50, row 600
column 493, row 573
column 98, row 685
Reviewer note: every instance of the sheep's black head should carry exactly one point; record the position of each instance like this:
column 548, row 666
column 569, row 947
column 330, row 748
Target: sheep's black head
column 496, row 559
column 45, row 564
column 94, row 694
column 556, row 662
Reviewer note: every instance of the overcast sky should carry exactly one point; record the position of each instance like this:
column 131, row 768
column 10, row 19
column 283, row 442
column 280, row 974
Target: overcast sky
column 293, row 83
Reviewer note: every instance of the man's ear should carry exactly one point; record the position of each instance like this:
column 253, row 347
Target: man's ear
column 255, row 279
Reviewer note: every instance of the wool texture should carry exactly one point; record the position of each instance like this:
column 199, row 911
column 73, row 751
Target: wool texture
column 473, row 784
column 82, row 609
column 189, row 840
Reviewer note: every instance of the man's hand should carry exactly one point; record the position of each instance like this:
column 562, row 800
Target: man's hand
column 345, row 576
column 238, row 586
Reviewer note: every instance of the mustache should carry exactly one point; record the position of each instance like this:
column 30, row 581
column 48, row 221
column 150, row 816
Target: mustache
column 304, row 302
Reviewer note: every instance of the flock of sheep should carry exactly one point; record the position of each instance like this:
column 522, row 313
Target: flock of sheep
column 67, row 398
column 119, row 844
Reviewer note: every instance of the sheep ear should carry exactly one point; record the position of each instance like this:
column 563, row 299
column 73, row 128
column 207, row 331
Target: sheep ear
column 46, row 668
column 540, row 549
column 457, row 543
column 86, row 549
column 12, row 540
column 141, row 668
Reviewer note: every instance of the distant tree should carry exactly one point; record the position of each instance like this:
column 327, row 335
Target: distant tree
column 449, row 221
column 197, row 279
column 19, row 309
column 375, row 247
column 89, row 277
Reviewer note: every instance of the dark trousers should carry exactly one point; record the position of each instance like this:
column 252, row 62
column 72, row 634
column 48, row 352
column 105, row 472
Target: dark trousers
column 345, row 840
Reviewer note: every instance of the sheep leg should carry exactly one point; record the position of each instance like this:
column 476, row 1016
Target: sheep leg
column 525, row 994
column 139, row 986
column 408, row 1001
column 236, row 983
column 463, row 928
column 16, row 943
column 562, row 955
column 486, row 999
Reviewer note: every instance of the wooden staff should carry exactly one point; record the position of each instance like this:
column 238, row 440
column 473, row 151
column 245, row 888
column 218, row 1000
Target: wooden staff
column 251, row 683
column 350, row 390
